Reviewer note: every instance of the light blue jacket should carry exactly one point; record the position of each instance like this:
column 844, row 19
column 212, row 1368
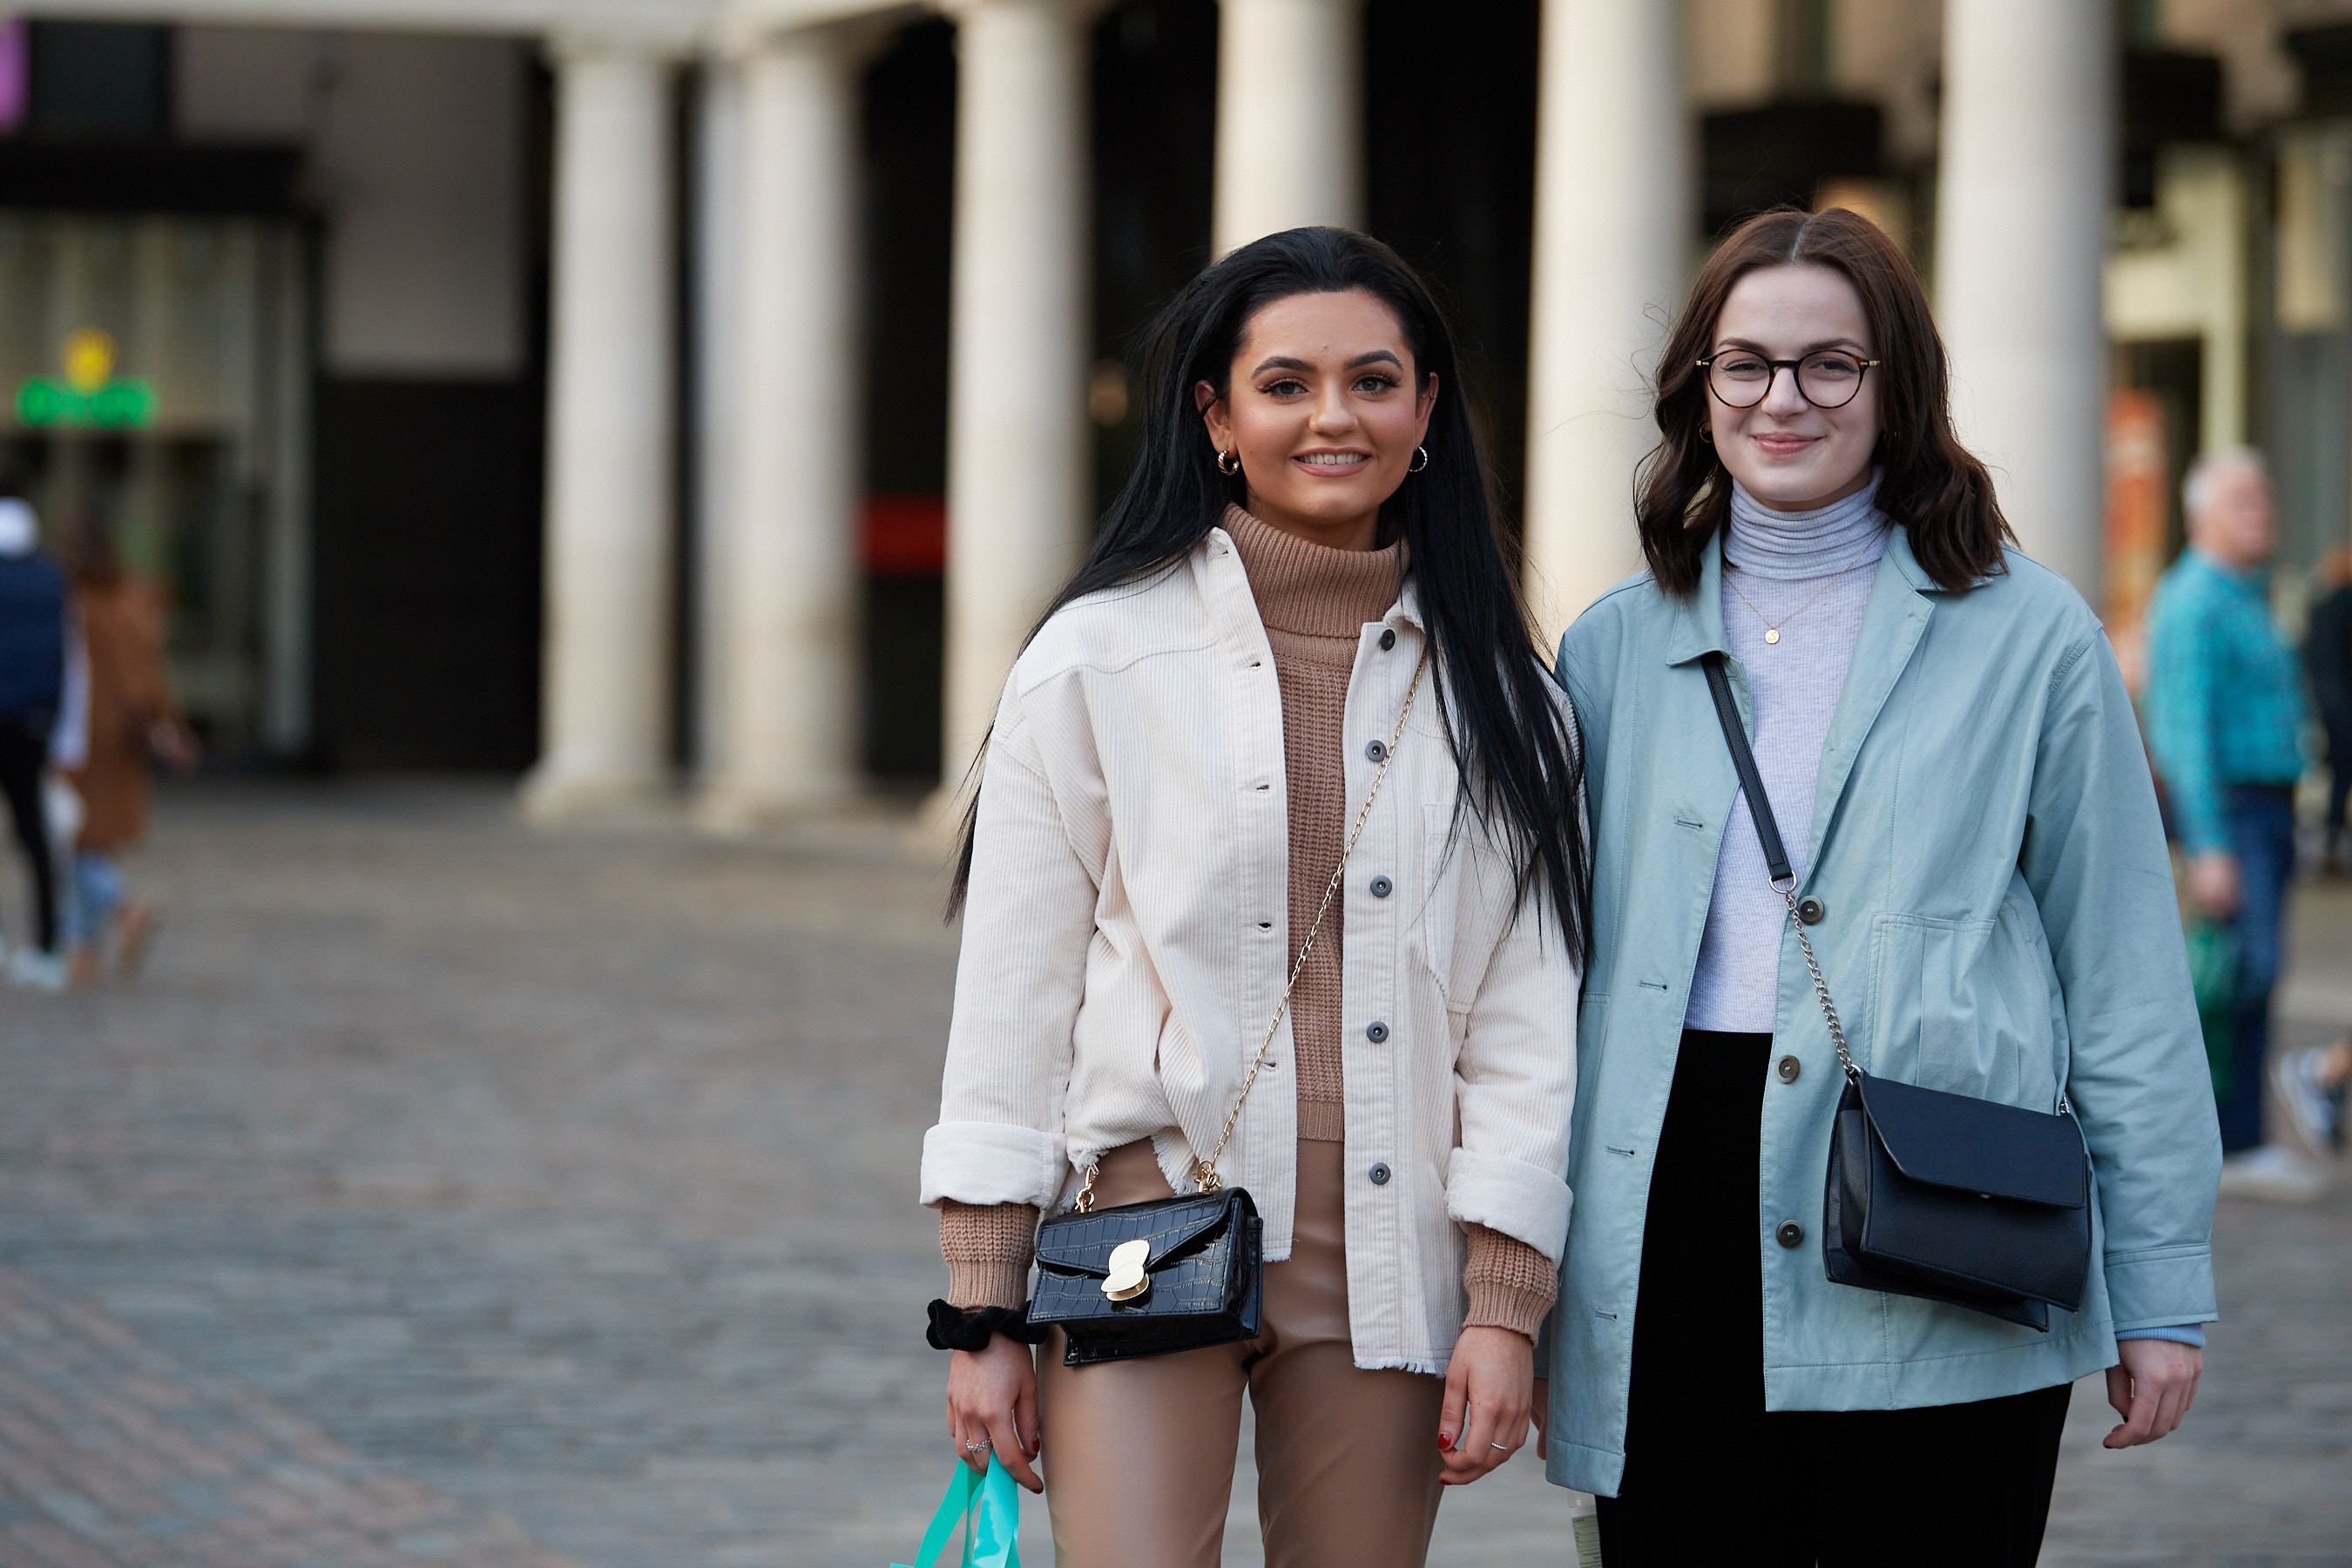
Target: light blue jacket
column 2000, row 922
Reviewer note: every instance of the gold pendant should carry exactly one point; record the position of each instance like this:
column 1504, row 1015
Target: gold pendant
column 1128, row 1280
column 1772, row 634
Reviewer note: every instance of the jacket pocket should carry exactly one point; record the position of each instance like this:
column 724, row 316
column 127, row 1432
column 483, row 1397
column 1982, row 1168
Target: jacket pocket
column 1466, row 907
column 1441, row 894
column 1963, row 1006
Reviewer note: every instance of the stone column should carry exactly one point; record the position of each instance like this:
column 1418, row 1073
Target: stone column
column 1290, row 118
column 605, row 718
column 1614, row 223
column 2023, row 191
column 1019, row 447
column 792, row 611
column 718, row 375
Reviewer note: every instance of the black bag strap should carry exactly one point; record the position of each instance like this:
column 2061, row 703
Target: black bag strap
column 1735, row 735
column 1776, row 855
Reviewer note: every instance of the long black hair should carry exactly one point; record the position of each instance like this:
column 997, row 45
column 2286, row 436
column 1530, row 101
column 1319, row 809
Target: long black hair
column 1521, row 765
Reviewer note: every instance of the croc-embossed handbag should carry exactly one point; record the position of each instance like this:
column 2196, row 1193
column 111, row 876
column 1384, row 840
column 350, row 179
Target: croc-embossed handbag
column 1177, row 1273
column 1943, row 1196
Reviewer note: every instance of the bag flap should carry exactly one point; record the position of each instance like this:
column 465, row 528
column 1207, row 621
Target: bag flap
column 1083, row 1243
column 1977, row 1145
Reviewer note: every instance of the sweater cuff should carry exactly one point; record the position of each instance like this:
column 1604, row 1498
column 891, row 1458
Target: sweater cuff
column 988, row 1248
column 2179, row 1333
column 1511, row 1285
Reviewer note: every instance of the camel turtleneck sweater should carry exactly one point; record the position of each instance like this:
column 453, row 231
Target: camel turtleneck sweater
column 1314, row 602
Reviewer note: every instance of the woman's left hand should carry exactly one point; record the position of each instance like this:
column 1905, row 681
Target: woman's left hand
column 2151, row 1388
column 1489, row 1391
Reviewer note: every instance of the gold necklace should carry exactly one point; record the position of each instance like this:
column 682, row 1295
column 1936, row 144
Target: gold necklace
column 1772, row 631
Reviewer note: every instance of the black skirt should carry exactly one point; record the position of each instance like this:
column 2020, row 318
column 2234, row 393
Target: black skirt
column 1709, row 1474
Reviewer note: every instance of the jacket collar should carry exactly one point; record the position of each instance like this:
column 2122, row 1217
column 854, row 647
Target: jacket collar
column 1698, row 619
column 1902, row 601
column 1218, row 563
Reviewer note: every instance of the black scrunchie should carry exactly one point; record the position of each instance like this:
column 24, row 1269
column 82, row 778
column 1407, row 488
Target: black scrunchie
column 953, row 1329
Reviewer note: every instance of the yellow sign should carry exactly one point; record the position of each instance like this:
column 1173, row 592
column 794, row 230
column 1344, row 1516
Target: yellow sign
column 90, row 360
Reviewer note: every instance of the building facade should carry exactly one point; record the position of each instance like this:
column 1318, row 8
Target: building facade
column 646, row 393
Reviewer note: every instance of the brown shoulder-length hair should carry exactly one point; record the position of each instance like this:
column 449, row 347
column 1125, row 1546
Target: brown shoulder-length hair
column 1934, row 485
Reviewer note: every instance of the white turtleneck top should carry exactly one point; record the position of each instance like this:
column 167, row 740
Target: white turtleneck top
column 1780, row 561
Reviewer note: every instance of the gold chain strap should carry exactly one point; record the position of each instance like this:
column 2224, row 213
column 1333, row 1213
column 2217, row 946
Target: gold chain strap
column 1204, row 1171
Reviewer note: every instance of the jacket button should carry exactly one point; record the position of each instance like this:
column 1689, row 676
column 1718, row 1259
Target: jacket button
column 1388, row 641
column 1379, row 1175
column 1378, row 1034
column 1383, row 887
column 1376, row 749
column 1791, row 1234
column 1810, row 911
column 1788, row 1069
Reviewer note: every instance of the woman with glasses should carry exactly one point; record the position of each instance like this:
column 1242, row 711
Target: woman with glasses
column 1973, row 858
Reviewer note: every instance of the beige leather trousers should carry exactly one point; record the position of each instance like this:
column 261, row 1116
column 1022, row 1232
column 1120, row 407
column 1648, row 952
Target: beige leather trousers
column 1139, row 1454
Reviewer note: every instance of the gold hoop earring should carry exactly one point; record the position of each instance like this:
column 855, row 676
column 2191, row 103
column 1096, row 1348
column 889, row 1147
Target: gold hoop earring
column 1706, row 434
column 1235, row 469
column 1416, row 467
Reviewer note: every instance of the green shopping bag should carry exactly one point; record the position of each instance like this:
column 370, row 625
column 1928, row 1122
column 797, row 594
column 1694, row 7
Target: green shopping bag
column 2213, row 973
column 988, row 1507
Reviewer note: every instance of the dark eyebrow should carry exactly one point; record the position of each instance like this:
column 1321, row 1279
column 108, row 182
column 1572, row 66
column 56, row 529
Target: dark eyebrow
column 1284, row 361
column 1757, row 348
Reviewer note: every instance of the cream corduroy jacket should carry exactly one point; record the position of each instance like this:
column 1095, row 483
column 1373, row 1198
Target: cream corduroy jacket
column 1126, row 939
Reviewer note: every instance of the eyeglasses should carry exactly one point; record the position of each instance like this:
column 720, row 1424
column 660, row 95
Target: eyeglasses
column 1826, row 380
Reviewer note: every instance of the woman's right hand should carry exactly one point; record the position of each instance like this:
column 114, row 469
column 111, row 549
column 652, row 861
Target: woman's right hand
column 993, row 1396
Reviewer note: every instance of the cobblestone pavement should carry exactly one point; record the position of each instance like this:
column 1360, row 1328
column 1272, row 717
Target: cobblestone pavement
column 450, row 1193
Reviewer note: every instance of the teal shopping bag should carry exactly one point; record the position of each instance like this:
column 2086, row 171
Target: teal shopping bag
column 989, row 1506
column 2213, row 974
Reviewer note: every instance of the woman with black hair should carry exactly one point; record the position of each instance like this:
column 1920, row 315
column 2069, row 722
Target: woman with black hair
column 1967, row 872
column 1282, row 750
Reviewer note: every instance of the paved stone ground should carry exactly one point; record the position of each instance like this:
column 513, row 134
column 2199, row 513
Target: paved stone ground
column 449, row 1194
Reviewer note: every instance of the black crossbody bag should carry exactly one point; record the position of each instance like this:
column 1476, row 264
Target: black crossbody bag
column 1943, row 1196
column 1183, row 1272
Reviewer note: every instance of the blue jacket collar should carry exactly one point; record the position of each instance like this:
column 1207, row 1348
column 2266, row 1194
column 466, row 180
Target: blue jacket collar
column 1698, row 619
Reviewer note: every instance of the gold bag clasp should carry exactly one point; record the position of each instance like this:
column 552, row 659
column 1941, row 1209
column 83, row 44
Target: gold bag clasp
column 1128, row 1280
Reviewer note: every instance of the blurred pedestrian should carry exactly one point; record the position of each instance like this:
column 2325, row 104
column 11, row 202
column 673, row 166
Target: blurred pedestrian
column 2225, row 709
column 2328, row 660
column 2311, row 1086
column 1191, row 745
column 133, row 723
column 1974, row 876
column 32, row 687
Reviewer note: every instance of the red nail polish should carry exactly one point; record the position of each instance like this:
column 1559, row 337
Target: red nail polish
column 1445, row 1439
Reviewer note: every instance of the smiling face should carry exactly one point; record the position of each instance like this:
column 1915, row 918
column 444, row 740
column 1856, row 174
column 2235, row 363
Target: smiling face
column 1790, row 455
column 1323, row 411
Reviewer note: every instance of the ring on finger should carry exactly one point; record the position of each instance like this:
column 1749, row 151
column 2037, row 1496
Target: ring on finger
column 977, row 1445
column 1505, row 1447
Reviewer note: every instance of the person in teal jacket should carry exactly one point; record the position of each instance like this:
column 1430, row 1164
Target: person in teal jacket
column 1955, row 766
column 2225, row 709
